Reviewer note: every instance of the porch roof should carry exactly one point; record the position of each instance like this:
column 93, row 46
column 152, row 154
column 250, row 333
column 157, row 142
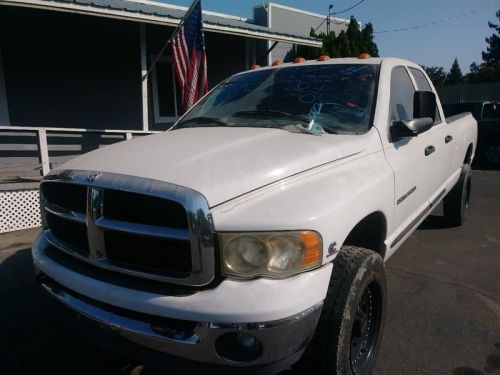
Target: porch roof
column 165, row 14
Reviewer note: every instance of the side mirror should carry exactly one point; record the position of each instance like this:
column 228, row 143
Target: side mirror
column 424, row 105
column 410, row 128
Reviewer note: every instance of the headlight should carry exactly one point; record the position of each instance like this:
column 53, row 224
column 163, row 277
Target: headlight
column 272, row 254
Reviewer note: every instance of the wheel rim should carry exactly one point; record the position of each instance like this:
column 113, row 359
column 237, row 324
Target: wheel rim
column 365, row 329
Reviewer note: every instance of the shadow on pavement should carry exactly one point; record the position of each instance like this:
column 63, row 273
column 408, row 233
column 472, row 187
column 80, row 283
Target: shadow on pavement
column 481, row 165
column 35, row 337
column 434, row 222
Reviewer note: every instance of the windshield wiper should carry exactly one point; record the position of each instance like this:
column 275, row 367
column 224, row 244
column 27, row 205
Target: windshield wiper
column 201, row 119
column 333, row 129
column 271, row 112
column 336, row 129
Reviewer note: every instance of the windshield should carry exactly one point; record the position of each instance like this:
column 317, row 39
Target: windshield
column 331, row 98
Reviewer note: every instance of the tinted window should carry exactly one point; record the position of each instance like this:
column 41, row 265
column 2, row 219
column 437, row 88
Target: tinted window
column 402, row 91
column 423, row 85
column 491, row 112
column 333, row 97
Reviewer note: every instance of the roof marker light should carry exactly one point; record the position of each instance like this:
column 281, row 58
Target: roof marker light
column 277, row 62
column 299, row 60
column 254, row 66
column 364, row 56
column 323, row 58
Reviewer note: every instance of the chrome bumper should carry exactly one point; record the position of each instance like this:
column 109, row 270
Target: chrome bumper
column 283, row 341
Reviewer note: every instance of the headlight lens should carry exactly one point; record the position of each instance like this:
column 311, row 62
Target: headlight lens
column 245, row 254
column 272, row 254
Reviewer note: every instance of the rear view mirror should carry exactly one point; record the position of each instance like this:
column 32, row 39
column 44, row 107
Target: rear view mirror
column 410, row 128
column 424, row 105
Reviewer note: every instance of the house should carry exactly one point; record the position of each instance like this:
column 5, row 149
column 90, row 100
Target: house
column 71, row 78
column 80, row 63
column 296, row 21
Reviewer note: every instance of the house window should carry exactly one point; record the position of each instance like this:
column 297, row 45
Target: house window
column 166, row 94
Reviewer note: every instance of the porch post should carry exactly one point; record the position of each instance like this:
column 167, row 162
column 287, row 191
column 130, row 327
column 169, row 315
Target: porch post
column 4, row 107
column 144, row 70
column 269, row 42
column 43, row 151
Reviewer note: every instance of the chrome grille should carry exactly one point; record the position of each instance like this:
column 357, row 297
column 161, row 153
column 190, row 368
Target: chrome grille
column 131, row 225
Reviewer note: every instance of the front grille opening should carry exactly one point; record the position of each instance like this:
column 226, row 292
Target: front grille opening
column 118, row 278
column 69, row 232
column 70, row 196
column 143, row 209
column 149, row 254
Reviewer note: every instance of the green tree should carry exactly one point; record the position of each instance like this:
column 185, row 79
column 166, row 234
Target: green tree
column 492, row 55
column 367, row 40
column 436, row 74
column 489, row 70
column 455, row 75
column 309, row 53
column 330, row 44
column 474, row 68
column 474, row 75
column 353, row 34
column 349, row 43
column 342, row 45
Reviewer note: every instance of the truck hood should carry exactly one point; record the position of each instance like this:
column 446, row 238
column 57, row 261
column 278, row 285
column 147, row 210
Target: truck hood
column 221, row 163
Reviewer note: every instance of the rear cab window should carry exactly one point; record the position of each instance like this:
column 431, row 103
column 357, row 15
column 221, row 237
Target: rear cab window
column 491, row 112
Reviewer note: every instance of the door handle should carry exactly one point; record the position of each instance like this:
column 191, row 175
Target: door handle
column 429, row 150
column 448, row 139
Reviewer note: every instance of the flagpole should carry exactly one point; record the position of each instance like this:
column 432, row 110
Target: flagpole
column 181, row 22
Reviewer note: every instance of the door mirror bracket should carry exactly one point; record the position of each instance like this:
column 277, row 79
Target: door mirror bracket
column 410, row 128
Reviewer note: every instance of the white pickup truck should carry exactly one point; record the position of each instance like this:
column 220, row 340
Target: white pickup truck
column 251, row 237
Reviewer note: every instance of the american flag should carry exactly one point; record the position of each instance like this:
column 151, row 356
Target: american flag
column 189, row 57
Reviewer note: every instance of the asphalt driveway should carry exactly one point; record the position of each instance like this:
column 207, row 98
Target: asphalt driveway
column 443, row 311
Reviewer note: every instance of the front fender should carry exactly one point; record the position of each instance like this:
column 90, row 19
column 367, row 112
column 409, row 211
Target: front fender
column 330, row 199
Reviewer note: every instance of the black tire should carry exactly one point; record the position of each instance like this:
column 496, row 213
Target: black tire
column 456, row 203
column 357, row 273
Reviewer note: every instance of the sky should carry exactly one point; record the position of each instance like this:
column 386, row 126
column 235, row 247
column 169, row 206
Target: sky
column 437, row 45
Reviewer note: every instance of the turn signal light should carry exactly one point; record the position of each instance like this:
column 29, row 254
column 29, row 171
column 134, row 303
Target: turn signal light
column 323, row 58
column 312, row 243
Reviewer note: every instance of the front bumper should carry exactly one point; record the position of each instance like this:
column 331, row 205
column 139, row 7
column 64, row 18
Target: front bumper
column 181, row 328
column 181, row 345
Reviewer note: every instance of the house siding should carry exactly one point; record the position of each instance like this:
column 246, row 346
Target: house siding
column 293, row 21
column 68, row 70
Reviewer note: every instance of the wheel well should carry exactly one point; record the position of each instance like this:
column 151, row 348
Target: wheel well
column 468, row 155
column 369, row 233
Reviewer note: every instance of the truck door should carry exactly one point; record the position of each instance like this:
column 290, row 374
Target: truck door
column 441, row 139
column 412, row 168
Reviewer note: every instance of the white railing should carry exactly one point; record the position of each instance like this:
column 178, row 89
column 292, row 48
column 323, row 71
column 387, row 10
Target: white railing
column 19, row 201
column 43, row 144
